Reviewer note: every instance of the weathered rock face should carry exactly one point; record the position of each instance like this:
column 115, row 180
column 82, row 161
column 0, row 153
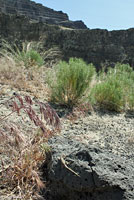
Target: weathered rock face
column 83, row 172
column 101, row 47
column 38, row 12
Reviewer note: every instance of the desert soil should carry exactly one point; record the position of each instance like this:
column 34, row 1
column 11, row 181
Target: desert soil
column 112, row 131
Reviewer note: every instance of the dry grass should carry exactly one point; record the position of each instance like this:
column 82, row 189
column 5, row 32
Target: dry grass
column 80, row 110
column 20, row 173
column 23, row 147
column 22, row 153
column 30, row 80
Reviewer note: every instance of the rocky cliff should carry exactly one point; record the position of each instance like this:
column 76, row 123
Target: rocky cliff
column 97, row 46
column 101, row 47
column 38, row 12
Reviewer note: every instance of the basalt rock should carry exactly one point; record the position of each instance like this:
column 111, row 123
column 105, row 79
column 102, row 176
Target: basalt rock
column 38, row 12
column 97, row 46
column 83, row 172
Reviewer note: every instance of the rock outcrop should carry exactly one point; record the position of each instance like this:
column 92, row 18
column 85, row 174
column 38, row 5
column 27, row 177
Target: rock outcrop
column 38, row 12
column 83, row 172
column 101, row 47
column 97, row 46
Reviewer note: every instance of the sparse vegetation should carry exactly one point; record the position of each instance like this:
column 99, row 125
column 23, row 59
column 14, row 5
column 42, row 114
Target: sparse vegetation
column 23, row 155
column 69, row 84
column 70, row 81
column 18, row 77
column 114, row 90
column 26, row 54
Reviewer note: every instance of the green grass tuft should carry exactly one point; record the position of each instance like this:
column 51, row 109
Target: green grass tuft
column 27, row 54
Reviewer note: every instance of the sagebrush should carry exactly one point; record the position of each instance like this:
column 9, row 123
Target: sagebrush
column 114, row 90
column 69, row 81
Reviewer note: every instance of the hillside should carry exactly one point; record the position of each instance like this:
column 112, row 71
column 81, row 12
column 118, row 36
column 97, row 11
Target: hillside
column 100, row 47
column 66, row 131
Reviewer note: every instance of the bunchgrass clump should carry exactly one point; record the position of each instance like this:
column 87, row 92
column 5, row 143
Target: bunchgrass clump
column 32, row 58
column 114, row 90
column 70, row 81
column 18, row 77
column 26, row 54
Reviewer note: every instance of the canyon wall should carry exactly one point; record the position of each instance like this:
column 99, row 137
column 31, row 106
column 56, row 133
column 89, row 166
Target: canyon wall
column 101, row 47
column 38, row 12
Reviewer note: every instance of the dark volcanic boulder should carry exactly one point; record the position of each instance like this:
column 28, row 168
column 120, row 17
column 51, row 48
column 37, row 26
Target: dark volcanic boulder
column 81, row 172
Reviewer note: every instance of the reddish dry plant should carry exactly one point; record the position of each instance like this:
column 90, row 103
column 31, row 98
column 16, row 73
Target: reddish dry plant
column 49, row 115
column 21, row 175
column 20, row 163
column 80, row 110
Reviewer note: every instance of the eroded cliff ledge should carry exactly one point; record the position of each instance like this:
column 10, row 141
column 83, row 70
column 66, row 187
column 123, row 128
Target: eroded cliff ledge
column 38, row 13
column 101, row 47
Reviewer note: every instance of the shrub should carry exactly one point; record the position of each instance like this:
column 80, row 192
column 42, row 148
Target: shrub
column 108, row 94
column 69, row 81
column 114, row 90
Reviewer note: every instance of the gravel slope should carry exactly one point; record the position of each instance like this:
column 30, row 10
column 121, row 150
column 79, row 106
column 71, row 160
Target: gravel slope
column 114, row 132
